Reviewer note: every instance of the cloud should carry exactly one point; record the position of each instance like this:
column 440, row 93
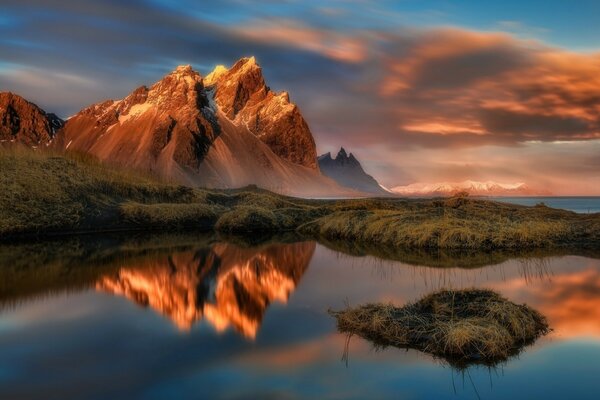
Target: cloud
column 412, row 103
column 284, row 32
column 568, row 301
column 501, row 89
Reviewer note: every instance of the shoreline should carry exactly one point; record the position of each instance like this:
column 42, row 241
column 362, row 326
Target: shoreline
column 50, row 195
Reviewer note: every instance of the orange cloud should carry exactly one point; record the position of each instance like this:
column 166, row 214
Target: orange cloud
column 331, row 44
column 569, row 301
column 513, row 89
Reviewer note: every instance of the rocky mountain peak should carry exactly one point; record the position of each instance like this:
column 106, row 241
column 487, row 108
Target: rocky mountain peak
column 167, row 128
column 24, row 122
column 181, row 87
column 234, row 88
column 243, row 97
column 325, row 157
column 346, row 170
column 344, row 158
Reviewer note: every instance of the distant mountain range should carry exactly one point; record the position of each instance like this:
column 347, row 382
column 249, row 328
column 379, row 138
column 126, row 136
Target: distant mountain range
column 224, row 130
column 346, row 170
column 474, row 188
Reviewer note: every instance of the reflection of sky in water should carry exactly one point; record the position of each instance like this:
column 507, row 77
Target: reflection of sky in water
column 94, row 344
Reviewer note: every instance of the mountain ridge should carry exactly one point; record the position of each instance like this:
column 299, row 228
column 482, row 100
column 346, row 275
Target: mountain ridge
column 225, row 130
column 476, row 188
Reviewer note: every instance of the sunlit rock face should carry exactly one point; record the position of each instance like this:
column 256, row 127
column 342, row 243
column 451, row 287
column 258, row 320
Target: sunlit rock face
column 166, row 129
column 24, row 122
column 242, row 95
column 226, row 285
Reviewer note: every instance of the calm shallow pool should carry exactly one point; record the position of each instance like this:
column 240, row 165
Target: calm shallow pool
column 187, row 317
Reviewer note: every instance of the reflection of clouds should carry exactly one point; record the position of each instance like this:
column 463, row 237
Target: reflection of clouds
column 565, row 289
column 226, row 285
column 570, row 301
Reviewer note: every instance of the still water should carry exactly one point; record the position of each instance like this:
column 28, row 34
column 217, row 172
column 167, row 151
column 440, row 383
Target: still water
column 581, row 205
column 193, row 317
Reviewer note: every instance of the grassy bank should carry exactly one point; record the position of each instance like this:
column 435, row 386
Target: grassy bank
column 461, row 326
column 45, row 194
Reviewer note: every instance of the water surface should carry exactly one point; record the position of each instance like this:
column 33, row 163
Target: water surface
column 193, row 317
column 582, row 205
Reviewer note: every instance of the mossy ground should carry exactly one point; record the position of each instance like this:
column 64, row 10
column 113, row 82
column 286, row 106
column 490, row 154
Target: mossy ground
column 44, row 194
column 463, row 327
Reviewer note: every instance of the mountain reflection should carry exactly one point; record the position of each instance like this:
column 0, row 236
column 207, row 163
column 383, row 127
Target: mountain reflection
column 227, row 285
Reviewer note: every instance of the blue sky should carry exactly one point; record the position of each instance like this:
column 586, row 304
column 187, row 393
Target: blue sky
column 418, row 90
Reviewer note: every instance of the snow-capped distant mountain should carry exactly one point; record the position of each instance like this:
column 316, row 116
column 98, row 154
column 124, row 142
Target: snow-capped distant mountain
column 474, row 188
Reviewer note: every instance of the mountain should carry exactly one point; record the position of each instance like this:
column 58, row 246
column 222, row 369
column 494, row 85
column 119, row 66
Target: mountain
column 227, row 130
column 24, row 122
column 489, row 188
column 244, row 98
column 347, row 171
column 227, row 285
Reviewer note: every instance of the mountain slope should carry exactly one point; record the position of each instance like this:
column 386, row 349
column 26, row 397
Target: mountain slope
column 198, row 132
column 489, row 188
column 166, row 129
column 24, row 122
column 347, row 171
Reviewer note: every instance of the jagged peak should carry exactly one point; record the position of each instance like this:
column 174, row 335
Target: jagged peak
column 247, row 62
column 342, row 153
column 326, row 156
column 242, row 68
column 285, row 96
column 183, row 80
column 215, row 74
column 183, row 68
column 184, row 72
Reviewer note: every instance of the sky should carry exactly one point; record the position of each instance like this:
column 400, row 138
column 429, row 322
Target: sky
column 418, row 90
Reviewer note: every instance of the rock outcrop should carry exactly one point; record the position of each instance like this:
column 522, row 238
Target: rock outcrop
column 242, row 95
column 24, row 122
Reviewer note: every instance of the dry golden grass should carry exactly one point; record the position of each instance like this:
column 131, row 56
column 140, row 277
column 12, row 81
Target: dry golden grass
column 462, row 327
column 44, row 192
column 456, row 224
column 47, row 193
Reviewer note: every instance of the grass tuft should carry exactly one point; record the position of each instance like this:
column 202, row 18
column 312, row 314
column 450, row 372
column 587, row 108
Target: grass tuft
column 463, row 327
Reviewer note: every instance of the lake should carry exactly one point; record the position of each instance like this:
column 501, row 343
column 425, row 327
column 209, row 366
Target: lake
column 190, row 316
column 583, row 204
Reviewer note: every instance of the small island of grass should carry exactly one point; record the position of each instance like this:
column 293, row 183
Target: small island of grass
column 463, row 327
